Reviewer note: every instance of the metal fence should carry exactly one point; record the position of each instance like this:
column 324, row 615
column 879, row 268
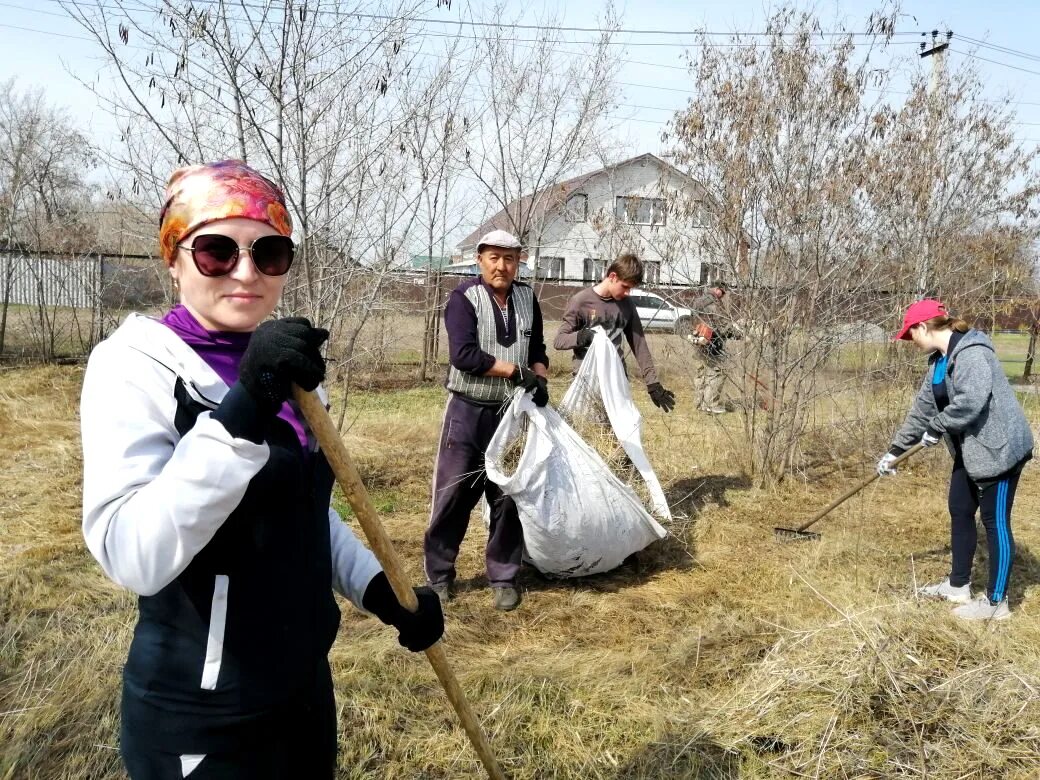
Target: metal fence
column 32, row 280
column 55, row 306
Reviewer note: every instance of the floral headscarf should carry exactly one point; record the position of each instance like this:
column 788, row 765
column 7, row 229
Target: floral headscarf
column 199, row 194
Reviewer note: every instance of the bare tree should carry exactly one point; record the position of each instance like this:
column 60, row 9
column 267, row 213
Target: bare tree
column 45, row 202
column 822, row 202
column 541, row 110
column 308, row 92
column 434, row 135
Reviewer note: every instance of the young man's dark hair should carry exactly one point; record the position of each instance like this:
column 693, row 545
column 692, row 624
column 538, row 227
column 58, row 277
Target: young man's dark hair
column 628, row 268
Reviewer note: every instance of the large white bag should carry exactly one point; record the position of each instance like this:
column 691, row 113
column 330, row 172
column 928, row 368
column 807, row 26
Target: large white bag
column 602, row 378
column 578, row 517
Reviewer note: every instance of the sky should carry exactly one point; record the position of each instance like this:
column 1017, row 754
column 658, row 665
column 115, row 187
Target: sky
column 42, row 47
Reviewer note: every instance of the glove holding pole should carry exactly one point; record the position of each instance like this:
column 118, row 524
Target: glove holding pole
column 886, row 464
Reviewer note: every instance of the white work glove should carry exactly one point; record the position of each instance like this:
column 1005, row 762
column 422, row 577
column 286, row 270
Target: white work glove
column 928, row 440
column 884, row 466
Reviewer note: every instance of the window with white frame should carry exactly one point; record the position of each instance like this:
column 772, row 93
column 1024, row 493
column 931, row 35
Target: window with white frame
column 577, row 208
column 640, row 211
column 651, row 272
column 550, row 267
column 592, row 270
column 710, row 273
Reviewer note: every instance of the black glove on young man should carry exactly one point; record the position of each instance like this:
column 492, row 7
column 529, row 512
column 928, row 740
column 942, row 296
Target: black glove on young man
column 585, row 338
column 280, row 352
column 415, row 630
column 663, row 399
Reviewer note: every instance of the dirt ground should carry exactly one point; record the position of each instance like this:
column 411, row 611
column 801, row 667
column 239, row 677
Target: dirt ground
column 720, row 655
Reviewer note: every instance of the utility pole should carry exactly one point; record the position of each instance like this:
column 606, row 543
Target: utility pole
column 937, row 51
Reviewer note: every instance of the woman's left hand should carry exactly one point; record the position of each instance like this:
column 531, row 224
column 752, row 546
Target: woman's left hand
column 929, row 439
column 415, row 630
column 421, row 629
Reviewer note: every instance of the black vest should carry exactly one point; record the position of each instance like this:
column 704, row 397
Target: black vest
column 281, row 616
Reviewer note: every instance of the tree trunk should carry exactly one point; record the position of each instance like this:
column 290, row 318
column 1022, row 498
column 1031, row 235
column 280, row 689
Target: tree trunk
column 8, row 275
column 1030, row 350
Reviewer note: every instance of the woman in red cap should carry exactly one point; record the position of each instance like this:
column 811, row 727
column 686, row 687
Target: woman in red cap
column 205, row 493
column 966, row 401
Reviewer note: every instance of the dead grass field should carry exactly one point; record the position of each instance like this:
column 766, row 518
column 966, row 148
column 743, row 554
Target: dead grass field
column 724, row 655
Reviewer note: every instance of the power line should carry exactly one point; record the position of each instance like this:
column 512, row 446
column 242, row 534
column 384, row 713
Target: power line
column 996, row 62
column 428, row 33
column 1004, row 49
column 541, row 27
column 46, row 32
column 34, row 10
column 620, row 105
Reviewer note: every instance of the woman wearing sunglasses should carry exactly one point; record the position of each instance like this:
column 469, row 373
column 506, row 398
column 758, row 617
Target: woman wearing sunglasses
column 204, row 492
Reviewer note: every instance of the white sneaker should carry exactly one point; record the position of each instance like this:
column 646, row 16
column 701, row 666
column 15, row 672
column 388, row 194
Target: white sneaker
column 983, row 609
column 944, row 590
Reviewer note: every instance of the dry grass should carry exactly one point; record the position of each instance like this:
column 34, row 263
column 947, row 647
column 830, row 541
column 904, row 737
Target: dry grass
column 724, row 655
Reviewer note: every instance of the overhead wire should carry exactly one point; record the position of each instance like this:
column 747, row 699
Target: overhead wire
column 637, row 107
column 520, row 25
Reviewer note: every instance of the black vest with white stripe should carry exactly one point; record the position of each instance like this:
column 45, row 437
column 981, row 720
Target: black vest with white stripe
column 240, row 639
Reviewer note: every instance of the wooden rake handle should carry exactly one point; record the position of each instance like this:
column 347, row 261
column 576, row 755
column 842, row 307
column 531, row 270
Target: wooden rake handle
column 842, row 499
column 354, row 490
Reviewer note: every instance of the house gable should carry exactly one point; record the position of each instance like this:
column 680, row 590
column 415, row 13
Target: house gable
column 574, row 240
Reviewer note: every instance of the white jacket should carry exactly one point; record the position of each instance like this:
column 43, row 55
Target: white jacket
column 151, row 499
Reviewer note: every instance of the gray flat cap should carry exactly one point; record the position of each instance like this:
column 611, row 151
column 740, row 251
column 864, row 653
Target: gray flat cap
column 499, row 238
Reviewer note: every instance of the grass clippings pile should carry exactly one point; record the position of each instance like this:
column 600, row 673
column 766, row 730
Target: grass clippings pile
column 887, row 692
column 721, row 655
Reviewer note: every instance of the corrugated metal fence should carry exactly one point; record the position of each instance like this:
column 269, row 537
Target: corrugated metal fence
column 50, row 280
column 81, row 281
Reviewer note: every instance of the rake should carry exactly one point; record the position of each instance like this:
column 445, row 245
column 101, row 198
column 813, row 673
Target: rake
column 354, row 490
column 802, row 534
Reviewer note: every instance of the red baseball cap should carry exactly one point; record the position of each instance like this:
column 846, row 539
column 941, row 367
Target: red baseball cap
column 918, row 313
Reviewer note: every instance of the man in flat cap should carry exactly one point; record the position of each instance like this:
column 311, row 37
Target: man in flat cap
column 495, row 342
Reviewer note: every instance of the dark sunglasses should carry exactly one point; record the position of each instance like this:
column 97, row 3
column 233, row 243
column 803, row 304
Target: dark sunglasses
column 217, row 255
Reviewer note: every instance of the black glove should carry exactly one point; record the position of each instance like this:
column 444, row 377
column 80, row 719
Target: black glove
column 281, row 352
column 541, row 395
column 525, row 378
column 585, row 337
column 607, row 321
column 663, row 399
column 417, row 630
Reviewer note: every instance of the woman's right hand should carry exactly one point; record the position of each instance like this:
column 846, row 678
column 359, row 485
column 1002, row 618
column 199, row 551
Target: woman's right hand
column 884, row 465
column 280, row 353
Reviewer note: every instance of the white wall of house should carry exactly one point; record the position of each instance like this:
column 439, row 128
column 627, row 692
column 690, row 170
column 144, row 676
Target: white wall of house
column 578, row 240
column 611, row 227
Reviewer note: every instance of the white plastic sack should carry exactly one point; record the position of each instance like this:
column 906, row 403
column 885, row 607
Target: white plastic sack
column 578, row 517
column 602, row 377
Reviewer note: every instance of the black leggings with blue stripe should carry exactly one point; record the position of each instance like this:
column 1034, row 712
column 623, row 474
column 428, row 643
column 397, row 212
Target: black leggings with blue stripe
column 994, row 497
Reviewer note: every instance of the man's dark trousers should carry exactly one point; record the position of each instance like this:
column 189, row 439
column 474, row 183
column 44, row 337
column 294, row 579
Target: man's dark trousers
column 458, row 482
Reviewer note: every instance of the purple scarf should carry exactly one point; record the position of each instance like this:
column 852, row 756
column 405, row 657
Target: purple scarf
column 222, row 351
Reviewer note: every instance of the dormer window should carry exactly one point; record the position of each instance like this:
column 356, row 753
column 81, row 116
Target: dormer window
column 577, row 208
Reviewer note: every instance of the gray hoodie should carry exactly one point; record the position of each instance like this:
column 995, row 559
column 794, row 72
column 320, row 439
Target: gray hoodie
column 983, row 415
